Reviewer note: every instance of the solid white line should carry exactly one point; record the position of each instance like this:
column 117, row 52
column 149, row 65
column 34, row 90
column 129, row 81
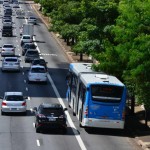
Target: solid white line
column 78, row 137
column 38, row 142
column 26, row 89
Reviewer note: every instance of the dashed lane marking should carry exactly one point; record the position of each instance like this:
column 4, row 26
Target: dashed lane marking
column 38, row 142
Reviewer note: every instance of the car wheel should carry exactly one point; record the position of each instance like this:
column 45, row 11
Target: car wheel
column 2, row 113
column 64, row 130
column 24, row 113
column 28, row 81
column 38, row 130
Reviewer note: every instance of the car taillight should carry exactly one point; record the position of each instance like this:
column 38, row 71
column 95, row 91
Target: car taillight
column 86, row 111
column 41, row 116
column 3, row 104
column 24, row 104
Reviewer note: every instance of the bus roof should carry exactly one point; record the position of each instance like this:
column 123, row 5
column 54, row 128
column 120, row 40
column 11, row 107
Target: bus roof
column 98, row 78
column 80, row 67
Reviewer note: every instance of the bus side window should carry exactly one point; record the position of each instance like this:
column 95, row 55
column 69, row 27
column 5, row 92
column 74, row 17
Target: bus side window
column 68, row 78
column 82, row 93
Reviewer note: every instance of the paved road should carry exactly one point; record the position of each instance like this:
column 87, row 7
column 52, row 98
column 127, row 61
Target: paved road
column 17, row 132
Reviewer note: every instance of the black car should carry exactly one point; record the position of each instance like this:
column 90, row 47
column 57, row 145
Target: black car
column 39, row 61
column 50, row 116
column 27, row 46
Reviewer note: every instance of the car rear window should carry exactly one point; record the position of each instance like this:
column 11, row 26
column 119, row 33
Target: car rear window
column 8, row 46
column 26, row 37
column 11, row 59
column 38, row 70
column 32, row 53
column 14, row 98
column 52, row 110
column 38, row 62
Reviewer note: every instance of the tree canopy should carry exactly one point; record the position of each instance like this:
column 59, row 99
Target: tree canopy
column 114, row 32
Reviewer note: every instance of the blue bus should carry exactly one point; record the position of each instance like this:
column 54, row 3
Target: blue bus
column 97, row 99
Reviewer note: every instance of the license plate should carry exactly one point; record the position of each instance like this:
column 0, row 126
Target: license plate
column 13, row 108
column 51, row 119
column 38, row 79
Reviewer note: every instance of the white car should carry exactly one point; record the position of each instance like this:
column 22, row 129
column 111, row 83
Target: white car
column 7, row 22
column 31, row 19
column 8, row 50
column 13, row 102
column 37, row 73
column 26, row 39
column 11, row 64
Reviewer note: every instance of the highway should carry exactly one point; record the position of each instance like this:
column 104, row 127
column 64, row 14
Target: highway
column 17, row 132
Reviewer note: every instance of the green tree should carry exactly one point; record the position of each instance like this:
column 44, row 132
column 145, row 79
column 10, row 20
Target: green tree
column 130, row 52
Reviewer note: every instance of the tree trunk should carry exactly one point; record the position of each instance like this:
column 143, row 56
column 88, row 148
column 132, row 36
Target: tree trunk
column 132, row 104
column 81, row 56
column 68, row 43
column 146, row 117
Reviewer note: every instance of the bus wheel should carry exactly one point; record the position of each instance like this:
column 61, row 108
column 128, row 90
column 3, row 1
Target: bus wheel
column 80, row 119
column 74, row 114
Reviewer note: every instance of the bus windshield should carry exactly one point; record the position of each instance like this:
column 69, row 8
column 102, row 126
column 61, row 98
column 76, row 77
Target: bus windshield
column 106, row 93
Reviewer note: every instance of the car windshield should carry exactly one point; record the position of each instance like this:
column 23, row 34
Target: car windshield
column 48, row 111
column 14, row 98
column 38, row 70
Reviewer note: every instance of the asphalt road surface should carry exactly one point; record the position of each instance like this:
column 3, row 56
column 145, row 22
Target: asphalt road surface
column 17, row 132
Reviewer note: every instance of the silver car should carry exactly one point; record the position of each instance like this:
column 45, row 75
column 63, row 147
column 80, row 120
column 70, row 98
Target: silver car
column 8, row 50
column 31, row 19
column 37, row 73
column 13, row 102
column 11, row 64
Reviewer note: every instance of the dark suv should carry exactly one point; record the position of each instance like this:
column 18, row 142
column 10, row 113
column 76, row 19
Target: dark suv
column 7, row 31
column 50, row 116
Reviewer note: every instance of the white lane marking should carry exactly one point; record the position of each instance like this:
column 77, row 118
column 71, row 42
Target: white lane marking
column 38, row 142
column 78, row 137
column 29, row 98
column 26, row 89
column 33, row 124
column 48, row 54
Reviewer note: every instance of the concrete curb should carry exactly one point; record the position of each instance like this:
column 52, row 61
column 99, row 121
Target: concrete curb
column 144, row 145
column 54, row 36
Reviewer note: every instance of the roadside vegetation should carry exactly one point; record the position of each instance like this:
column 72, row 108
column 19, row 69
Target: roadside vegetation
column 116, row 33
